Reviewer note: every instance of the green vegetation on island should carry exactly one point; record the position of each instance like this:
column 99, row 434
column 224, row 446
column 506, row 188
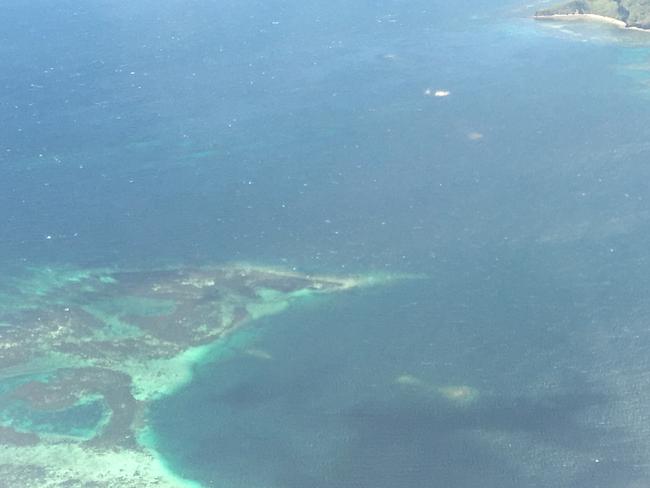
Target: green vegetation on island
column 631, row 13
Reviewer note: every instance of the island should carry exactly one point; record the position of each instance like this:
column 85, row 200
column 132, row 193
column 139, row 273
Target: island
column 634, row 14
column 84, row 352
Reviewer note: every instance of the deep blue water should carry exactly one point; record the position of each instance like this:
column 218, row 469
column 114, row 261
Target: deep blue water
column 300, row 134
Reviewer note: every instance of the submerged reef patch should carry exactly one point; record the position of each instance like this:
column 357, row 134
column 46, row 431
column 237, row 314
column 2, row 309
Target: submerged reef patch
column 459, row 395
column 84, row 352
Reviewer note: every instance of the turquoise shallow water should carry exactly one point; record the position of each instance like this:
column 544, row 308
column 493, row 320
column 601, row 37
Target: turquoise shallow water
column 78, row 421
column 301, row 134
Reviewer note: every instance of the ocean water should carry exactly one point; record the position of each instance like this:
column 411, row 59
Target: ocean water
column 305, row 134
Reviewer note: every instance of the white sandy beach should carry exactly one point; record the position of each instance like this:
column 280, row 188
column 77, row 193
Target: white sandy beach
column 590, row 17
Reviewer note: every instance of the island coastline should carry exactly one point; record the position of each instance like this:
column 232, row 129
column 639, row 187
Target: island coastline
column 589, row 13
column 588, row 18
